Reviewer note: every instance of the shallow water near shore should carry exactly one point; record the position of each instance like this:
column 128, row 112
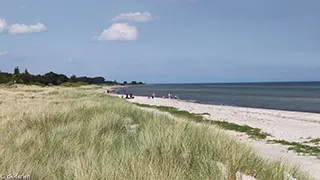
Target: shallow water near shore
column 291, row 96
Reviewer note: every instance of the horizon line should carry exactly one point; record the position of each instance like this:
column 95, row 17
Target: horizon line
column 243, row 82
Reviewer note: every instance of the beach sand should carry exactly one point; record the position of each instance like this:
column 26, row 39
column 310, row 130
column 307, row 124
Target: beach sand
column 282, row 125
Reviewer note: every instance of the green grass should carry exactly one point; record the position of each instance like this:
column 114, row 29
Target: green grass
column 299, row 147
column 73, row 84
column 78, row 133
column 315, row 141
column 254, row 133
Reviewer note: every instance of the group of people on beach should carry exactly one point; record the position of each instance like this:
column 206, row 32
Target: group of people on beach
column 153, row 95
column 128, row 96
column 110, row 91
column 170, row 96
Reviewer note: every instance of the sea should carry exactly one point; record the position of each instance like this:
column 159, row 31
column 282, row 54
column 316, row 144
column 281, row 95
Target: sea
column 291, row 96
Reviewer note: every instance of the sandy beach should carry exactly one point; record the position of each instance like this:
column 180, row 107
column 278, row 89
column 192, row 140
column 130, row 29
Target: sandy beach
column 282, row 125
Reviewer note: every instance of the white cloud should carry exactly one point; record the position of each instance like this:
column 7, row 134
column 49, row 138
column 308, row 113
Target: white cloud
column 3, row 25
column 135, row 17
column 22, row 28
column 22, row 7
column 3, row 53
column 118, row 32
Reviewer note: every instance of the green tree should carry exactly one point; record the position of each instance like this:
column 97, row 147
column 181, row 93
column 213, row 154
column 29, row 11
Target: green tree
column 16, row 70
column 26, row 71
column 62, row 78
column 26, row 78
column 98, row 80
column 17, row 76
column 40, row 79
column 5, row 77
column 125, row 82
column 73, row 78
column 52, row 78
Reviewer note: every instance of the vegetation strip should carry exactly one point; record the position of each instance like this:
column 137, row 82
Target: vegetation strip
column 315, row 141
column 52, row 78
column 298, row 147
column 254, row 133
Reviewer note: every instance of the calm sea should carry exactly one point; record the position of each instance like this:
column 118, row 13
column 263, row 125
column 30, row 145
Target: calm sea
column 293, row 96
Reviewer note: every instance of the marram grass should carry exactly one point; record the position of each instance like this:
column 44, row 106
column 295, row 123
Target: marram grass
column 79, row 133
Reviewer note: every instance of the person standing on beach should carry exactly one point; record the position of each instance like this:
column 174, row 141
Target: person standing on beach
column 169, row 96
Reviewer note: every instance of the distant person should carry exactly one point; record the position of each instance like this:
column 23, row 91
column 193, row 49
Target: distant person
column 169, row 96
column 127, row 96
column 131, row 96
column 175, row 96
column 153, row 95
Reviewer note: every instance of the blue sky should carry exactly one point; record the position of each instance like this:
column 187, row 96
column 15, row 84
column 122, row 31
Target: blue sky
column 164, row 41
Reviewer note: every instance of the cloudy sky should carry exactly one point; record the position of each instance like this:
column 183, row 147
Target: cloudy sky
column 159, row 41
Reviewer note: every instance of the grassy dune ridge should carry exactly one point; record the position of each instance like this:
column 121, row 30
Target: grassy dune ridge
column 81, row 133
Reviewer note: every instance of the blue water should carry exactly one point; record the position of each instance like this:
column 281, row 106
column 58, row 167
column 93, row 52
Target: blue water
column 292, row 96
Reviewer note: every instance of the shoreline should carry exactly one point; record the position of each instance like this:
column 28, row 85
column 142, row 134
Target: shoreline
column 202, row 103
column 222, row 105
column 287, row 110
column 290, row 126
column 115, row 87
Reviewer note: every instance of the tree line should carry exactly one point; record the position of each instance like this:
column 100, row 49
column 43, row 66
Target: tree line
column 52, row 78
